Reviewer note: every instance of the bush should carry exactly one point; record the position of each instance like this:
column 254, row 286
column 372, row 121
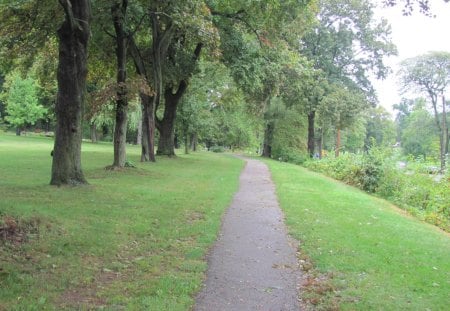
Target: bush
column 217, row 149
column 375, row 172
column 290, row 155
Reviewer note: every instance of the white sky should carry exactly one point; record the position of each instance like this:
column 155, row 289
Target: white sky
column 414, row 35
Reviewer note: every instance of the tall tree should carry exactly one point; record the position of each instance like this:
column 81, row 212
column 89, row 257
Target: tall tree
column 118, row 13
column 429, row 74
column 72, row 70
column 347, row 45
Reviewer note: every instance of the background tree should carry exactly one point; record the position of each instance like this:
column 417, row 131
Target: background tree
column 347, row 45
column 341, row 108
column 417, row 136
column 380, row 129
column 22, row 105
column 429, row 74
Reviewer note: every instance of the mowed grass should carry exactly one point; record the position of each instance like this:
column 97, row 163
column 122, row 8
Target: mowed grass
column 133, row 239
column 365, row 253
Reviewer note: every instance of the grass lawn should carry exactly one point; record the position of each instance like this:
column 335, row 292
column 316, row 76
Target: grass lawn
column 133, row 240
column 361, row 253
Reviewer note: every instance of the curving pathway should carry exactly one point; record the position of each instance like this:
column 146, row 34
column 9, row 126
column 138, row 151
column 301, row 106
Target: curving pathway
column 253, row 265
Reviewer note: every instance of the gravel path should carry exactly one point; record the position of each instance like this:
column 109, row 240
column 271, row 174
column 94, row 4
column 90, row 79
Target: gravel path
column 253, row 264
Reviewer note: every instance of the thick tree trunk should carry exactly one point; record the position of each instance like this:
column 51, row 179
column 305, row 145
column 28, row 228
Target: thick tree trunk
column 118, row 12
column 73, row 41
column 166, row 126
column 268, row 139
column 338, row 142
column 311, row 134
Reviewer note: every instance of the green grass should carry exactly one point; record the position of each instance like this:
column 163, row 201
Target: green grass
column 134, row 239
column 366, row 254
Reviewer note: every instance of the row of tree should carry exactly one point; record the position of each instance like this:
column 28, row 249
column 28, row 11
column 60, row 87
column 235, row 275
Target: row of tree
column 236, row 69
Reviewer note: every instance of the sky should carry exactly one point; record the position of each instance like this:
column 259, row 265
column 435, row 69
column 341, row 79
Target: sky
column 413, row 35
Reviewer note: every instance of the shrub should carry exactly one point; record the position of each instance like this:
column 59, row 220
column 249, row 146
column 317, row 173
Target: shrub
column 217, row 149
column 375, row 172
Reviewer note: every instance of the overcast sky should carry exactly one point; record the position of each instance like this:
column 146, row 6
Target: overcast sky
column 414, row 35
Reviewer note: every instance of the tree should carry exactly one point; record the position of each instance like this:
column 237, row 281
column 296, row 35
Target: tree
column 346, row 45
column 73, row 38
column 429, row 74
column 340, row 108
column 424, row 6
column 118, row 13
column 258, row 40
column 417, row 136
column 380, row 129
column 404, row 109
column 22, row 105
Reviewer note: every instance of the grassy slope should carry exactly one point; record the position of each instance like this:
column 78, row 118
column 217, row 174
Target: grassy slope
column 133, row 239
column 377, row 257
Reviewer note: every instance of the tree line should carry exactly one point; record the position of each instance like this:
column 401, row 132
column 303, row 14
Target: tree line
column 231, row 73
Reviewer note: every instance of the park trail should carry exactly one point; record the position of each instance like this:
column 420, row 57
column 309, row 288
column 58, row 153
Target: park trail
column 253, row 265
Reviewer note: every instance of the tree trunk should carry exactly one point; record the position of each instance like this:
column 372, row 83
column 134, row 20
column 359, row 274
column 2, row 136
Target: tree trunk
column 320, row 145
column 166, row 126
column 311, row 134
column 338, row 142
column 139, row 133
column 148, row 129
column 93, row 130
column 73, row 41
column 186, row 142
column 434, row 101
column 268, row 139
column 118, row 12
column 148, row 109
column 194, row 142
column 444, row 149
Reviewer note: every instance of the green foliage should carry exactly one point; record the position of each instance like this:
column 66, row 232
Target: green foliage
column 419, row 133
column 22, row 105
column 347, row 43
column 289, row 143
column 380, row 129
column 217, row 149
column 377, row 172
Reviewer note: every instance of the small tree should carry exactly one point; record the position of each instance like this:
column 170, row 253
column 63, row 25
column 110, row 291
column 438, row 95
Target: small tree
column 22, row 105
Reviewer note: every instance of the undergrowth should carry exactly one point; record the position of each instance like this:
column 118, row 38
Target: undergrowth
column 413, row 188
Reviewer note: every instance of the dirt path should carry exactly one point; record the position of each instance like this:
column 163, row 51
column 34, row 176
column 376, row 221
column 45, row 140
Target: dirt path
column 253, row 264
